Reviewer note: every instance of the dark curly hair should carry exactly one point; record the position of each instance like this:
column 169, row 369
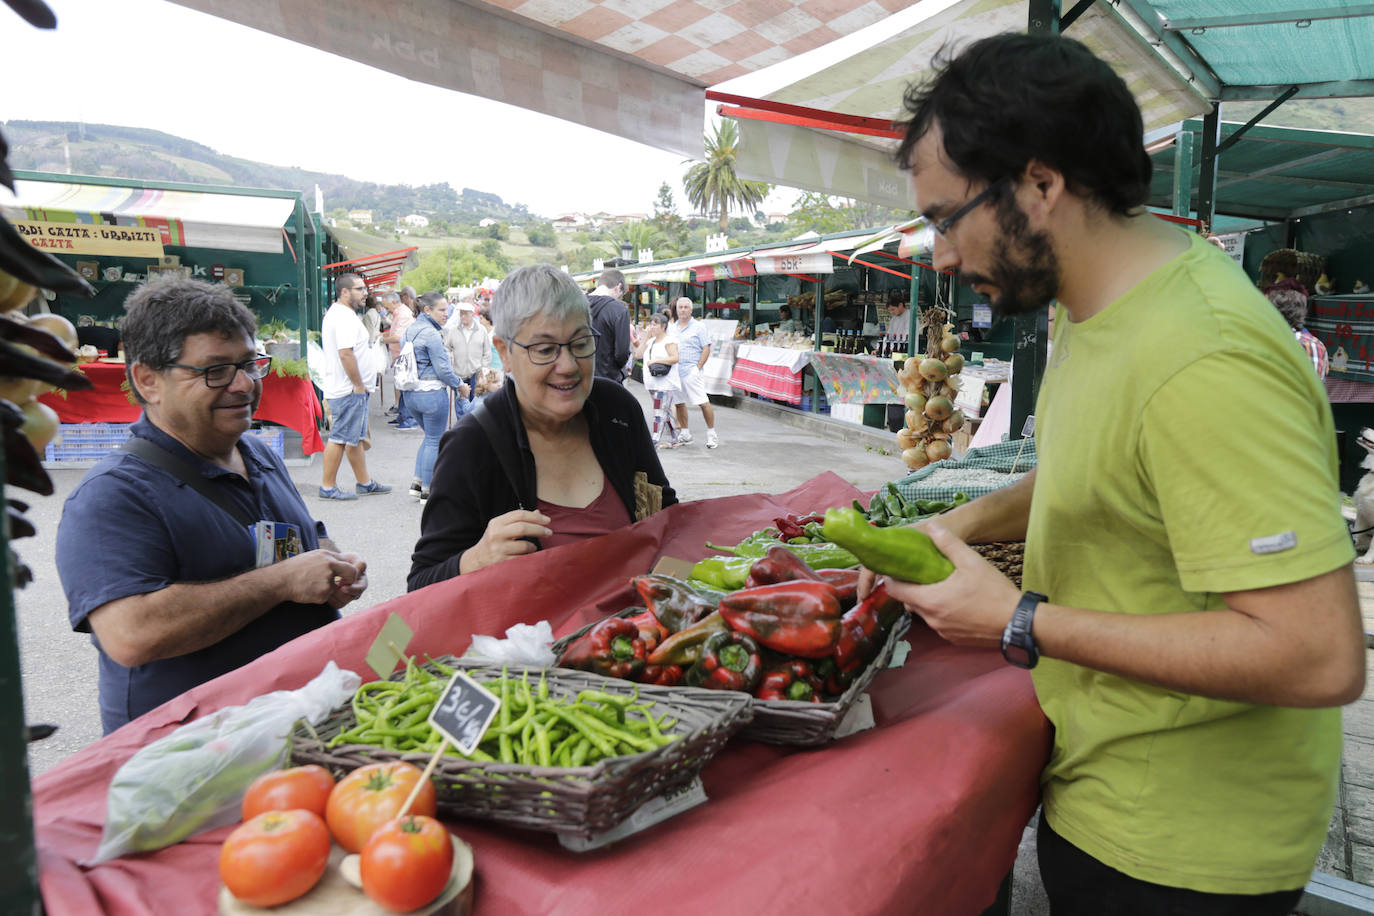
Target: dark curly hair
column 1011, row 98
column 160, row 314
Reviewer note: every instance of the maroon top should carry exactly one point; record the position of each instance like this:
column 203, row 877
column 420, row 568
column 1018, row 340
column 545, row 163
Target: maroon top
column 604, row 514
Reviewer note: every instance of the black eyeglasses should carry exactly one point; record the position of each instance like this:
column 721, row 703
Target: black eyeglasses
column 541, row 354
column 943, row 227
column 221, row 375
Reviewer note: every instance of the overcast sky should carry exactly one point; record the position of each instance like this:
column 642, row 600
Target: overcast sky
column 150, row 63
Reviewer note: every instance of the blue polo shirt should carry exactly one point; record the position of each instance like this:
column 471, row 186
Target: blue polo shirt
column 129, row 528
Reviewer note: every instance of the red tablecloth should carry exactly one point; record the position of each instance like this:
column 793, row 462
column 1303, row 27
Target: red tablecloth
column 776, row 382
column 921, row 814
column 286, row 400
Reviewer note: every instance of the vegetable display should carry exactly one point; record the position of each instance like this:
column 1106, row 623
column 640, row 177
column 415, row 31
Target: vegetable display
column 531, row 727
column 888, row 507
column 729, row 661
column 305, row 787
column 931, row 383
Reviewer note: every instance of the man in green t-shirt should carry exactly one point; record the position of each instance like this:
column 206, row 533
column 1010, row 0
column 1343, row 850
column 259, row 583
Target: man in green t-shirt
column 1201, row 623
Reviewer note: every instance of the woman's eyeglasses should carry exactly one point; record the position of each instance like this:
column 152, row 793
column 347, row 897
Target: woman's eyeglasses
column 221, row 375
column 541, row 354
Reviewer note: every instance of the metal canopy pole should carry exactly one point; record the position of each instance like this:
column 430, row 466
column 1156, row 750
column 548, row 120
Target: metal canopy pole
column 1207, row 183
column 818, row 314
column 1183, row 173
column 1031, row 329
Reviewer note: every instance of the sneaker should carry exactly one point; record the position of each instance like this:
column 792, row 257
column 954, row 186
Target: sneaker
column 424, row 497
column 415, row 489
column 408, row 427
column 335, row 493
column 711, row 440
column 683, row 437
column 391, row 411
column 371, row 489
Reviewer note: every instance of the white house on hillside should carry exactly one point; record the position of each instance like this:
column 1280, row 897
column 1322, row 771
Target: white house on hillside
column 416, row 220
column 361, row 217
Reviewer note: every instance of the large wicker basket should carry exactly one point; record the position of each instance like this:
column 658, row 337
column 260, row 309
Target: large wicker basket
column 580, row 801
column 788, row 721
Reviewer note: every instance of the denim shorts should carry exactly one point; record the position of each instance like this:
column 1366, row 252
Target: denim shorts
column 349, row 415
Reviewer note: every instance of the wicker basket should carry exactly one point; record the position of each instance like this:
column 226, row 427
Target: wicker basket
column 581, row 801
column 1007, row 556
column 791, row 721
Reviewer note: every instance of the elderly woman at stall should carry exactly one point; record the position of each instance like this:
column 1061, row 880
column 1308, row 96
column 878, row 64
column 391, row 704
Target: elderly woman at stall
column 552, row 456
column 428, row 401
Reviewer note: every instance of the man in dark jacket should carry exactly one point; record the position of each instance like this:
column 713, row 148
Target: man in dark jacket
column 611, row 321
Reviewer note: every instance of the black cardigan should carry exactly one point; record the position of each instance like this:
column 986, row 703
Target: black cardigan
column 478, row 476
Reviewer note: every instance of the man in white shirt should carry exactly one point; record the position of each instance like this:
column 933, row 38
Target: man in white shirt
column 347, row 361
column 469, row 348
column 693, row 350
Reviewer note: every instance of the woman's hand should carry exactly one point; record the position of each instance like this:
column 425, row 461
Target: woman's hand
column 504, row 538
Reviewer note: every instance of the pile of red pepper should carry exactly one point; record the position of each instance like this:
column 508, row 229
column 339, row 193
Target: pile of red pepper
column 792, row 633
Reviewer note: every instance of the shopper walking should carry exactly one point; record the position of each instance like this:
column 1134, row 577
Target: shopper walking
column 694, row 349
column 347, row 371
column 659, row 349
column 429, row 400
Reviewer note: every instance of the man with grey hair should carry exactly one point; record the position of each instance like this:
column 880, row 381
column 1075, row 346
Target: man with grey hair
column 1290, row 298
column 693, row 350
column 191, row 553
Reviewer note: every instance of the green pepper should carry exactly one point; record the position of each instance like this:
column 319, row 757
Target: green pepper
column 825, row 555
column 903, row 553
column 727, row 573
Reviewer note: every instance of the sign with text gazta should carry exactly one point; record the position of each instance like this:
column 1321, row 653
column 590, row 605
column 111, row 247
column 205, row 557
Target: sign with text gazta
column 815, row 262
column 86, row 238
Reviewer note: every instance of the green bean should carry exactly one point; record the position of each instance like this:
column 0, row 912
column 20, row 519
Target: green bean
column 597, row 740
column 580, row 752
column 624, row 737
column 541, row 745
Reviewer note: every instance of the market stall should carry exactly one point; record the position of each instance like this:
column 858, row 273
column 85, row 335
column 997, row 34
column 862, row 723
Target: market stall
column 940, row 789
column 770, row 372
column 852, row 381
column 287, row 400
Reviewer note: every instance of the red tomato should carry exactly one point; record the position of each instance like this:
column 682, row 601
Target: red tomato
column 275, row 857
column 305, row 787
column 406, row 863
column 372, row 795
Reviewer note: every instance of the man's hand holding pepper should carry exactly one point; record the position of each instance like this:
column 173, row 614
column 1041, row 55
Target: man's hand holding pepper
column 972, row 606
column 504, row 538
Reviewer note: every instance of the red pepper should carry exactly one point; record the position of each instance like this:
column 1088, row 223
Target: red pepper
column 862, row 629
column 684, row 646
column 662, row 675
column 846, row 583
column 779, row 565
column 675, row 603
column 612, row 648
column 729, row 661
column 799, row 618
column 793, row 679
column 650, row 630
column 791, row 526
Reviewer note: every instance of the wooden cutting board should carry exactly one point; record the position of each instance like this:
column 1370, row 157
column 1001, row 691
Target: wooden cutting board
column 334, row 896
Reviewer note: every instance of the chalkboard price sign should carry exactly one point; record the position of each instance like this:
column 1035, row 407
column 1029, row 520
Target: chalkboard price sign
column 464, row 711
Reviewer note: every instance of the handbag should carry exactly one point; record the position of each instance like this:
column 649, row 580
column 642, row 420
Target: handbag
column 658, row 370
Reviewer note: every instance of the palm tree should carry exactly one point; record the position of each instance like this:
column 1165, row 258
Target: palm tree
column 714, row 186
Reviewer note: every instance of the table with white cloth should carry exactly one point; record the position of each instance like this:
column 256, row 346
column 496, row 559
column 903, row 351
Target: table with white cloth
column 771, row 372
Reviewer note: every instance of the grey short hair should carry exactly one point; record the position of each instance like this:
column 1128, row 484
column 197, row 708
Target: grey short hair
column 681, row 299
column 160, row 314
column 540, row 289
column 1292, row 305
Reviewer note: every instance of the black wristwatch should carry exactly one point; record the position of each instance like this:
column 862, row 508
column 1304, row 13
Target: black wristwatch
column 1018, row 645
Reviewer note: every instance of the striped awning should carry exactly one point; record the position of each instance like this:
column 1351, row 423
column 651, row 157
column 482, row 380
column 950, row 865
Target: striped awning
column 193, row 219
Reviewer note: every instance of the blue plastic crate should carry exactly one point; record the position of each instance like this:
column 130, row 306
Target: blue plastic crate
column 271, row 436
column 86, row 441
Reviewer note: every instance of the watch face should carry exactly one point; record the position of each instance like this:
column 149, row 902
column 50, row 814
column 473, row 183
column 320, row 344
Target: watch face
column 1018, row 655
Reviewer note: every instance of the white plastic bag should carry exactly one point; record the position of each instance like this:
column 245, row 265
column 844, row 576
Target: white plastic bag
column 194, row 778
column 523, row 645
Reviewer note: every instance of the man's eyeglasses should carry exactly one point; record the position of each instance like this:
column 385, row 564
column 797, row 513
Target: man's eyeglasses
column 541, row 354
column 943, row 227
column 221, row 375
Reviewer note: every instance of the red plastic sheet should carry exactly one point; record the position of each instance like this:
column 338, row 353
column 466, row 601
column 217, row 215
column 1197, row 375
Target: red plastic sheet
column 921, row 814
column 286, row 400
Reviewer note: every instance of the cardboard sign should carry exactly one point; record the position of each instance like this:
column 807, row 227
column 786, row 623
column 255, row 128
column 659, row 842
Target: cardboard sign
column 672, row 566
column 390, row 646
column 464, row 712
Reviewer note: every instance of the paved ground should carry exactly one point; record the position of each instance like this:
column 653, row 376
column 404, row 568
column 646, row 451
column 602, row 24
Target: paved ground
column 762, row 450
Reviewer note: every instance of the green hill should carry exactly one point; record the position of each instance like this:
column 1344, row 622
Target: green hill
column 151, row 155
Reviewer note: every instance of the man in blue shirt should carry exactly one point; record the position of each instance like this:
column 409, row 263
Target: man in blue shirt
column 175, row 589
column 693, row 350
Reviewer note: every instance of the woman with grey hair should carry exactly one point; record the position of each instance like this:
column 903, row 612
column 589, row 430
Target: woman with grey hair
column 549, row 458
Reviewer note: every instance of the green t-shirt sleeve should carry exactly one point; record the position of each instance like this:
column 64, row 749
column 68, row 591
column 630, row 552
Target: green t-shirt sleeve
column 1240, row 451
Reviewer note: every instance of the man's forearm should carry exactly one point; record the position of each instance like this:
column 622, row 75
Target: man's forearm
column 184, row 617
column 1001, row 515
